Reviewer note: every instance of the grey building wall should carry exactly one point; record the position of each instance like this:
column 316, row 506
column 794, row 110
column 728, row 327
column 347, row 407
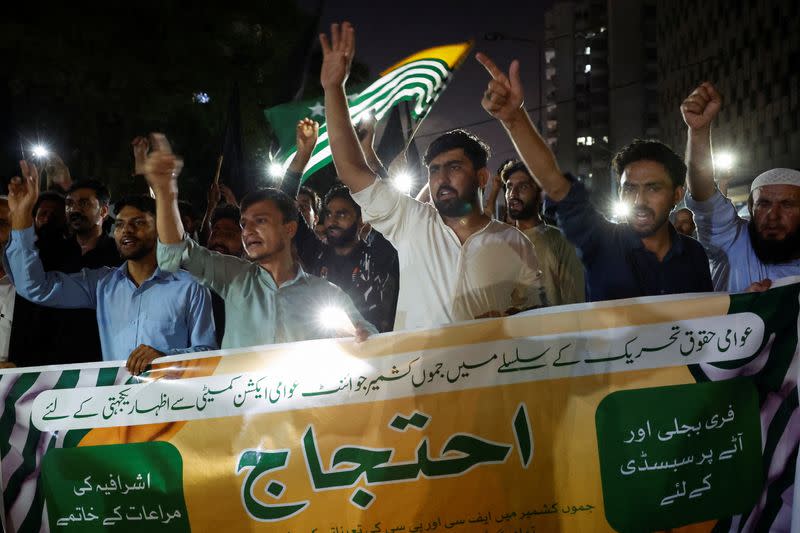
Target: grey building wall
column 751, row 51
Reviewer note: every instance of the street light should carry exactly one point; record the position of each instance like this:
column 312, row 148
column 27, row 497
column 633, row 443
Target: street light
column 724, row 161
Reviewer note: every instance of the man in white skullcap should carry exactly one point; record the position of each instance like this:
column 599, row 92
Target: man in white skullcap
column 744, row 255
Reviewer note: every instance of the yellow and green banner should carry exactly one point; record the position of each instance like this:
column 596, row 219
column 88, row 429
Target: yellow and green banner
column 676, row 412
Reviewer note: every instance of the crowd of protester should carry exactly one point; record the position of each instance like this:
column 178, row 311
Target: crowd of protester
column 290, row 263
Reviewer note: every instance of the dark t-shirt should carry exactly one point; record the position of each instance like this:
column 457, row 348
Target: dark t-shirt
column 616, row 262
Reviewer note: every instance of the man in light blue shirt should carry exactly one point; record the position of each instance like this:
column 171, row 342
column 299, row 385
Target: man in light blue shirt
column 745, row 255
column 268, row 297
column 142, row 311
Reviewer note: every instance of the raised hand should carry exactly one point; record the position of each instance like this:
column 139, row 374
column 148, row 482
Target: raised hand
column 337, row 55
column 228, row 195
column 162, row 167
column 57, row 171
column 700, row 107
column 140, row 147
column 22, row 194
column 504, row 96
column 306, row 135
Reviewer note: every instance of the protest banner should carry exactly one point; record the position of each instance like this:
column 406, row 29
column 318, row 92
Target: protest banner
column 643, row 414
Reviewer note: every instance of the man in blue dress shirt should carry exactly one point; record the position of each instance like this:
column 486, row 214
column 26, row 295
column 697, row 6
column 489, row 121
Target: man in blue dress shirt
column 142, row 312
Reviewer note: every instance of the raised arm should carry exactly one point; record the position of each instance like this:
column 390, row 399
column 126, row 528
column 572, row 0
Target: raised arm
column 503, row 100
column 161, row 170
column 699, row 110
column 21, row 258
column 306, row 135
column 337, row 56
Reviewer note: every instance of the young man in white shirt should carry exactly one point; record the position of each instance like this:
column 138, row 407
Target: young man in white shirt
column 455, row 262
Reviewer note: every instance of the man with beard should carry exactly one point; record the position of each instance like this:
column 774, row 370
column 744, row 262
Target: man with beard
column 562, row 271
column 743, row 254
column 455, row 262
column 142, row 312
column 268, row 297
column 87, row 207
column 366, row 271
column 644, row 256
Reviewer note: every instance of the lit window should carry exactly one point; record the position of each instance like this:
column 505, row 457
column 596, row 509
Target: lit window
column 201, row 98
column 605, row 138
column 589, row 141
column 602, row 29
column 588, row 69
column 549, row 55
column 588, row 50
column 581, row 141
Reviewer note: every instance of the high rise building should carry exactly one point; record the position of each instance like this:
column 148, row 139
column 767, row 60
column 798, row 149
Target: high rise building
column 750, row 50
column 600, row 85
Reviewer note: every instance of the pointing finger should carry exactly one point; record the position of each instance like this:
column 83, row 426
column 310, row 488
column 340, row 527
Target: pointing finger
column 489, row 65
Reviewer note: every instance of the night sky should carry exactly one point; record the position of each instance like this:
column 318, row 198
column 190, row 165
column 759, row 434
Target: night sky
column 384, row 36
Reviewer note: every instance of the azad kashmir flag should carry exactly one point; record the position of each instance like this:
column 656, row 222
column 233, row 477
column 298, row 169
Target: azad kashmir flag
column 419, row 79
column 671, row 412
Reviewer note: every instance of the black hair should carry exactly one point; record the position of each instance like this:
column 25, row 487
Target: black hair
column 512, row 166
column 100, row 190
column 651, row 150
column 341, row 191
column 142, row 202
column 282, row 200
column 227, row 211
column 475, row 149
column 316, row 202
column 49, row 196
column 186, row 209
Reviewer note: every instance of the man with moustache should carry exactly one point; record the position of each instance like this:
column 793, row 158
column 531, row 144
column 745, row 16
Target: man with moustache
column 562, row 270
column 368, row 273
column 269, row 298
column 744, row 255
column 455, row 262
column 641, row 257
column 87, row 207
column 142, row 312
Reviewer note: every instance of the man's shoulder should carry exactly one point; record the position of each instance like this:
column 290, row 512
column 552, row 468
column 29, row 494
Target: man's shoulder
column 692, row 246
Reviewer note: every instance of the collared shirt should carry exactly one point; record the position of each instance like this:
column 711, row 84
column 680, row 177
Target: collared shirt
column 616, row 262
column 7, row 297
column 727, row 241
column 562, row 271
column 257, row 311
column 170, row 312
column 442, row 280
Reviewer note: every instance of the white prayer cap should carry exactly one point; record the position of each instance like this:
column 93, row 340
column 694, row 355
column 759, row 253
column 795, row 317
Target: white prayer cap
column 776, row 176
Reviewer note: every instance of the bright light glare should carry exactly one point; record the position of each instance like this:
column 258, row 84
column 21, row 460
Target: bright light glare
column 724, row 161
column 402, row 181
column 621, row 209
column 39, row 151
column 275, row 170
column 334, row 318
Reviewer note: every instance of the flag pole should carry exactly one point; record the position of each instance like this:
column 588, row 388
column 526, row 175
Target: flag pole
column 219, row 169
